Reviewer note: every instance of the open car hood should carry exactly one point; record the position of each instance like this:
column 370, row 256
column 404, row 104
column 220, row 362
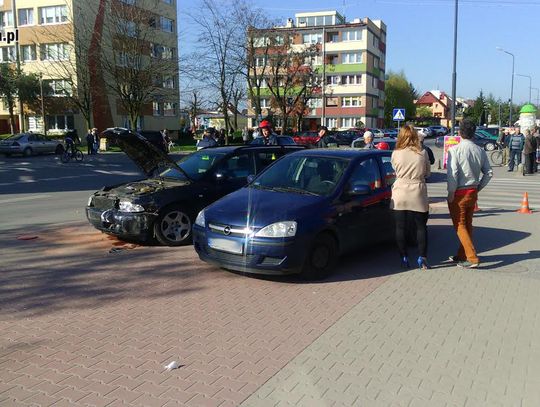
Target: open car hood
column 147, row 157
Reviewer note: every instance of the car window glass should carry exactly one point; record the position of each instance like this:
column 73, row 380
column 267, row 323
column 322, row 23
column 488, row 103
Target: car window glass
column 388, row 171
column 237, row 166
column 366, row 173
column 32, row 137
column 265, row 158
column 195, row 165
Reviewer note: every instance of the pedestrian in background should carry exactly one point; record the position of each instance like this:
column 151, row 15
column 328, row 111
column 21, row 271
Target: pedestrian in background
column 89, row 142
column 431, row 156
column 502, row 141
column 324, row 138
column 368, row 140
column 468, row 172
column 529, row 152
column 245, row 135
column 269, row 137
column 409, row 194
column 536, row 135
column 95, row 141
column 515, row 144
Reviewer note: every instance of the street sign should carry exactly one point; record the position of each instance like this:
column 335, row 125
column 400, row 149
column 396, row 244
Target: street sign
column 398, row 114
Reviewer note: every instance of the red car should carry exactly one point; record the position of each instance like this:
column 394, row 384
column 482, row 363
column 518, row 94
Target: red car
column 306, row 138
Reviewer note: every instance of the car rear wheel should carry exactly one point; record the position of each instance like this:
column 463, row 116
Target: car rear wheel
column 27, row 152
column 173, row 226
column 489, row 147
column 321, row 258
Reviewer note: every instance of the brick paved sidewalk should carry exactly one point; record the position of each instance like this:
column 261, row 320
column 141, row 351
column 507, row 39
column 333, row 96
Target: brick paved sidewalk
column 443, row 337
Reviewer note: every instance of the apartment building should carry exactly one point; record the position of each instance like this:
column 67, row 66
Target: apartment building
column 350, row 62
column 51, row 34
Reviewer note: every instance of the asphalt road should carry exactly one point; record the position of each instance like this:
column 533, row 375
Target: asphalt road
column 38, row 191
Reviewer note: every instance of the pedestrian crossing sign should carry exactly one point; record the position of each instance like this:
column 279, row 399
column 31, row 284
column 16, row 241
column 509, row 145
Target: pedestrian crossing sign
column 398, row 114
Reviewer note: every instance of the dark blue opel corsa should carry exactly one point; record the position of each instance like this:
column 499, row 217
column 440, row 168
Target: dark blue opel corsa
column 300, row 214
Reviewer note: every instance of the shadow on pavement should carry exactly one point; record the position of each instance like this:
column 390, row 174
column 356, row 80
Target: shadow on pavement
column 78, row 268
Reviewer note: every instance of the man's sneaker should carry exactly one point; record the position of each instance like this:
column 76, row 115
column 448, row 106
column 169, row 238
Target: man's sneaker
column 468, row 265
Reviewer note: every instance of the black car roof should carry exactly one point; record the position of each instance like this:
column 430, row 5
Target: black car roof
column 229, row 149
column 342, row 152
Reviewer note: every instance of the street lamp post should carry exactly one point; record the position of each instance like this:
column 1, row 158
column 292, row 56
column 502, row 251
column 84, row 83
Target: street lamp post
column 537, row 96
column 512, row 85
column 530, row 83
column 42, row 103
column 454, row 74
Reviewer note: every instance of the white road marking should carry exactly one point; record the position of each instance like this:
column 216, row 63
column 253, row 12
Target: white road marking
column 24, row 198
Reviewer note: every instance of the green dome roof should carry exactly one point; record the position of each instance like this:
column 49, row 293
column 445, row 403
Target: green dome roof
column 528, row 108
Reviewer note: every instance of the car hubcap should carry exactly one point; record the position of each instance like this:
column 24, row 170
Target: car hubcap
column 490, row 147
column 176, row 226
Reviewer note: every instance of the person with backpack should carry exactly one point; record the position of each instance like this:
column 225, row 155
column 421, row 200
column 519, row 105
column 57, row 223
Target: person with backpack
column 515, row 144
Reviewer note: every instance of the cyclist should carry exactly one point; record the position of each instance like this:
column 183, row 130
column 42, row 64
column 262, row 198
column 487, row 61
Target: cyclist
column 70, row 145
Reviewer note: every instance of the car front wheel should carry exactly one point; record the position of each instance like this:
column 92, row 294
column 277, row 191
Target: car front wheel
column 173, row 226
column 321, row 258
column 489, row 147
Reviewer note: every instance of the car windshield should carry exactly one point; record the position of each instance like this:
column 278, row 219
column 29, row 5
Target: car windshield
column 195, row 165
column 312, row 175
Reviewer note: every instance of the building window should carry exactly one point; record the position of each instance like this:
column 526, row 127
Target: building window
column 6, row 19
column 60, row 122
column 333, row 37
column 333, row 80
column 168, row 83
column 128, row 61
column 26, row 16
column 375, row 82
column 331, row 122
column 127, row 28
column 351, row 79
column 265, row 103
column 348, row 121
column 52, row 15
column 34, row 123
column 54, row 52
column 352, row 35
column 331, row 102
column 263, row 84
column 59, row 87
column 376, row 62
column 351, row 58
column 375, row 41
column 168, row 1
column 260, row 61
column 314, row 38
column 350, row 101
column 7, row 54
column 314, row 103
column 169, row 109
column 167, row 24
column 28, row 53
column 157, row 109
column 130, row 2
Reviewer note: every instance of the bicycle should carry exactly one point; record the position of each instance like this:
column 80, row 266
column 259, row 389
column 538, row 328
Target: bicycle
column 497, row 155
column 76, row 154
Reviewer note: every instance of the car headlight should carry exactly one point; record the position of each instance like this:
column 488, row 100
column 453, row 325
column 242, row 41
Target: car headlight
column 278, row 229
column 90, row 200
column 127, row 206
column 200, row 221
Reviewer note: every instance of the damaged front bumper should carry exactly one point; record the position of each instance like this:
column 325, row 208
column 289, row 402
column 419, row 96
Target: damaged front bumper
column 124, row 224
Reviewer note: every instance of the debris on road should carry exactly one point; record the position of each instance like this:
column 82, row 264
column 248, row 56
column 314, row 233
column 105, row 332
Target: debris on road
column 173, row 365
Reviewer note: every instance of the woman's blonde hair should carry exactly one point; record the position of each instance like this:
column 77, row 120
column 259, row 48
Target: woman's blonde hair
column 408, row 137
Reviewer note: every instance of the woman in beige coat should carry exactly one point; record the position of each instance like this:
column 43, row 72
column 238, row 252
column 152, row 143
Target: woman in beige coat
column 409, row 193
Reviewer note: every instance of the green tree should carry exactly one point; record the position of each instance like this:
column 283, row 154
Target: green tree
column 423, row 112
column 476, row 112
column 399, row 93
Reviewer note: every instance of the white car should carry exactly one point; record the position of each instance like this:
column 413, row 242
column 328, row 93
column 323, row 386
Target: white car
column 423, row 131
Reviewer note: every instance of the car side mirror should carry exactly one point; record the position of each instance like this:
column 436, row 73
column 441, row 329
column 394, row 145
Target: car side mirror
column 250, row 178
column 359, row 190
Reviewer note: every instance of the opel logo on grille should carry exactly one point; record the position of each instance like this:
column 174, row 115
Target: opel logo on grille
column 227, row 230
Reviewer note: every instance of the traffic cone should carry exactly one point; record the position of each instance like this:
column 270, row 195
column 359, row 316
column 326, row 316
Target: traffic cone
column 525, row 204
column 476, row 208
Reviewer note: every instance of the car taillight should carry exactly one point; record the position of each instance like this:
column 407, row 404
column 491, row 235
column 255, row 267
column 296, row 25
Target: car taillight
column 15, row 144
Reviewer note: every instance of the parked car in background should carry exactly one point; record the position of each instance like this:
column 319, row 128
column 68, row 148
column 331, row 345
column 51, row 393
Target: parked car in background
column 377, row 133
column 480, row 139
column 306, row 138
column 424, row 131
column 390, row 132
column 493, row 132
column 29, row 144
column 164, row 204
column 438, row 130
column 301, row 214
column 346, row 137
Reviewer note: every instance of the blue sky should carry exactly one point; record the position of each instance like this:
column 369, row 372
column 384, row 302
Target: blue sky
column 420, row 40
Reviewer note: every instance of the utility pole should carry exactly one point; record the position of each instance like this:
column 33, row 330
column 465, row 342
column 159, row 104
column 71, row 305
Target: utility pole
column 454, row 74
column 42, row 104
column 18, row 61
column 323, row 118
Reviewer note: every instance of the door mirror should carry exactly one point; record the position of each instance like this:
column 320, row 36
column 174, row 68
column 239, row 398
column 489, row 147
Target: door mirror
column 250, row 178
column 359, row 190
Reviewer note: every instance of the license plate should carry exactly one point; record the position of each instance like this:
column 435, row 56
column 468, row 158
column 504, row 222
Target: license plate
column 225, row 245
